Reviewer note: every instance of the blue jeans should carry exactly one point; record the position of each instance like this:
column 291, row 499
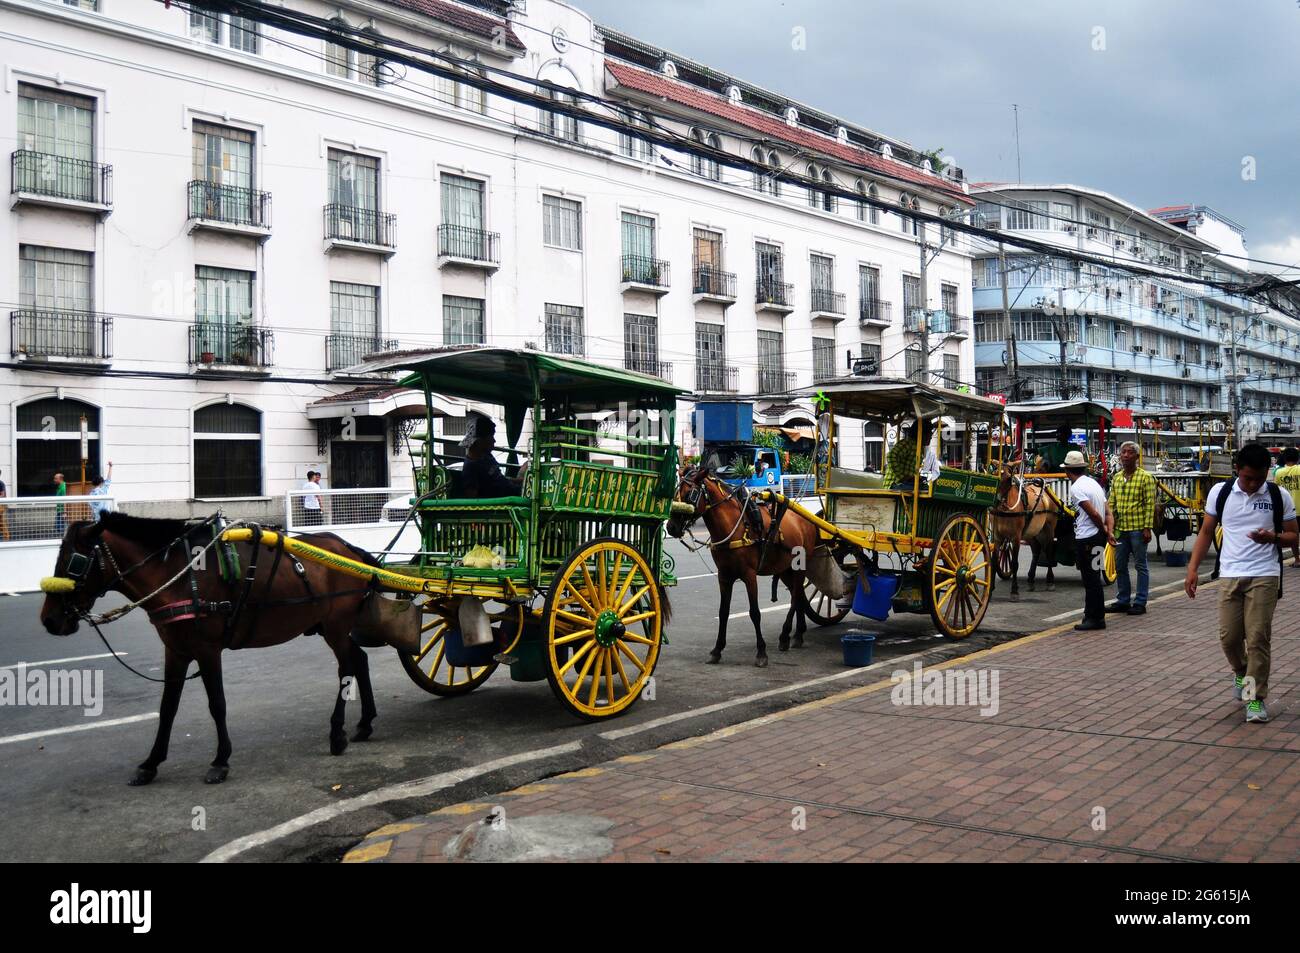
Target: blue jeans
column 1131, row 543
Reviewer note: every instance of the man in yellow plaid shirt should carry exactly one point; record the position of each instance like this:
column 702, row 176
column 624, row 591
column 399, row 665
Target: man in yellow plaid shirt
column 1131, row 510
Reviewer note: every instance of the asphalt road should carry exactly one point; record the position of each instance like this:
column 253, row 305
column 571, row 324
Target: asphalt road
column 64, row 795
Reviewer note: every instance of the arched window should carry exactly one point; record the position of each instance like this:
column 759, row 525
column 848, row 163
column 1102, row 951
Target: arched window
column 814, row 196
column 774, row 163
column 873, row 213
column 48, row 441
column 760, row 177
column 704, row 167
column 861, row 188
column 227, row 451
column 349, row 64
column 829, row 201
column 906, row 203
column 633, row 146
column 918, row 227
column 560, row 125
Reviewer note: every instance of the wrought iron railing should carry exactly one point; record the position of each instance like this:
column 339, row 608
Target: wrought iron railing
column 366, row 226
column 651, row 272
column 62, row 177
column 773, row 380
column 212, row 342
column 348, row 350
column 229, row 204
column 711, row 281
column 472, row 244
column 715, row 377
column 778, row 293
column 874, row 309
column 826, row 301
column 38, row 332
column 662, row 369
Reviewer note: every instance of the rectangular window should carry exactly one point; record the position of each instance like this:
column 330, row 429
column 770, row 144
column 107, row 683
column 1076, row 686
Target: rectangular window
column 912, row 298
column 641, row 343
column 707, row 249
column 561, row 222
column 948, row 294
column 560, row 125
column 771, row 361
column 912, row 363
column 1027, row 215
column 632, row 146
column 638, row 236
column 823, row 358
column 205, row 26
column 55, row 279
column 1062, row 215
column 223, row 156
column 952, row 370
column 243, row 34
column 564, row 330
column 869, row 293
column 354, row 309
column 710, row 357
column 462, row 320
column 353, row 180
column 337, row 60
column 770, row 264
column 223, row 296
column 990, row 328
column 56, row 123
column 987, row 215
column 823, row 273
column 872, row 352
column 462, row 201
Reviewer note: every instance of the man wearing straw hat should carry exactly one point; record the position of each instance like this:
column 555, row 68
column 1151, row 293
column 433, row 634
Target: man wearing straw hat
column 1089, row 502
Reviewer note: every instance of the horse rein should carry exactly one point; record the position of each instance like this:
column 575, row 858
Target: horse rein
column 731, row 494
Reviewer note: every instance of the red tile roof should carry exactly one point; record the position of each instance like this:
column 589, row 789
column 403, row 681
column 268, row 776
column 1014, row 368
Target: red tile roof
column 366, row 392
column 480, row 24
column 1169, row 208
column 774, row 127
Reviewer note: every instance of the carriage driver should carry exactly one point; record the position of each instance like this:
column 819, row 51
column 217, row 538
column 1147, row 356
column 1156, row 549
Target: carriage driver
column 481, row 477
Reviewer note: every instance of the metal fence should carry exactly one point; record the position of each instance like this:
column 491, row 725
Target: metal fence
column 307, row 511
column 38, row 333
column 62, row 177
column 365, row 226
column 469, row 244
column 231, row 204
column 37, row 519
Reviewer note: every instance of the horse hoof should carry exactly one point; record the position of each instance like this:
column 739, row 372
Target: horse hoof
column 363, row 733
column 216, row 774
column 783, row 646
column 142, row 777
column 713, row 659
column 338, row 744
column 760, row 662
column 1051, row 587
column 797, row 643
column 1032, row 587
column 1015, row 596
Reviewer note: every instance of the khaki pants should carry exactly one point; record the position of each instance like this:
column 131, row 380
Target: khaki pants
column 1246, row 627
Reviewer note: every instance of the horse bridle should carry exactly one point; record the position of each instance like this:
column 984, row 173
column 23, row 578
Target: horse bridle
column 692, row 499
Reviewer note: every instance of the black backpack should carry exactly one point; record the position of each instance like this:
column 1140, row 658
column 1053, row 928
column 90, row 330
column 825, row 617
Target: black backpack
column 1274, row 495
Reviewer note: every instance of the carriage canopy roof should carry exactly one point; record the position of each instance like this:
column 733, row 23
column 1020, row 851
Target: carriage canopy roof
column 1182, row 416
column 499, row 375
column 1047, row 415
column 890, row 399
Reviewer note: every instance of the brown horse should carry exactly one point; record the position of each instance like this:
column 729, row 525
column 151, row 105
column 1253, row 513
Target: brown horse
column 739, row 555
column 1025, row 512
column 195, row 615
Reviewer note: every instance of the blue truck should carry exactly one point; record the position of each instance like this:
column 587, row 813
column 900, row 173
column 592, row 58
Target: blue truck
column 725, row 428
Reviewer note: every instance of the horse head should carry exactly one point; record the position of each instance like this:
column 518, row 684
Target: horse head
column 1008, row 477
column 79, row 579
column 690, row 500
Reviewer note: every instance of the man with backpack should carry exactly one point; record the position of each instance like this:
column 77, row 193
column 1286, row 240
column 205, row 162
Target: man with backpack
column 1258, row 518
column 1287, row 477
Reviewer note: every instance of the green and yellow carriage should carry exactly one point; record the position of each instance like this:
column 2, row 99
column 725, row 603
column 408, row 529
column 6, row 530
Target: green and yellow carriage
column 565, row 581
column 1187, row 451
column 924, row 543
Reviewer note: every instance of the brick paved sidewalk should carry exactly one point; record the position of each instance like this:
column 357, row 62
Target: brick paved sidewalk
column 1136, row 722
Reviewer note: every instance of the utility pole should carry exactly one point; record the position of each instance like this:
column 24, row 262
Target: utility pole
column 1013, row 362
column 1233, row 405
column 925, row 308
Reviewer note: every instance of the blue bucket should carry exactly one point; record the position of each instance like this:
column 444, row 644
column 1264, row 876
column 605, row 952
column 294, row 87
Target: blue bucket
column 858, row 647
column 459, row 654
column 875, row 604
column 1176, row 558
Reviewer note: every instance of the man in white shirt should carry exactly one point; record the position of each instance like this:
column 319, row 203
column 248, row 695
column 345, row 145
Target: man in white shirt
column 1089, row 502
column 1251, row 568
column 103, row 485
column 311, row 512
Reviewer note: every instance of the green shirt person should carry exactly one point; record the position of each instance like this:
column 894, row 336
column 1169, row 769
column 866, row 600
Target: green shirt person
column 60, row 489
column 1051, row 456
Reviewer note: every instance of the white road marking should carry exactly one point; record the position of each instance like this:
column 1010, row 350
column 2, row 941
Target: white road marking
column 31, row 735
column 419, row 787
column 1072, row 612
column 703, row 575
column 779, row 607
column 745, row 699
column 57, row 661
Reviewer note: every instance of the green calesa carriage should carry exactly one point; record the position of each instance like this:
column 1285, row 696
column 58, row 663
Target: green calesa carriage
column 564, row 580
column 917, row 545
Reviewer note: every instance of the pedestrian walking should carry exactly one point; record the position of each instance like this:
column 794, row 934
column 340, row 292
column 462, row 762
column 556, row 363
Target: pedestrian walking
column 311, row 510
column 4, row 519
column 60, row 489
column 1129, row 520
column 1288, row 478
column 101, row 486
column 1090, row 520
column 1258, row 519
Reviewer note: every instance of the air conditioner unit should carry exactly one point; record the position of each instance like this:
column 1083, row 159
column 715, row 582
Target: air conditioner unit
column 1137, row 348
column 1119, row 243
column 1187, row 372
column 1091, row 232
column 1178, row 358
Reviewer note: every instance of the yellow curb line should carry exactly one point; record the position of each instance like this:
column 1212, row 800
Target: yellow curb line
column 464, row 807
column 369, row 852
column 392, row 830
column 580, row 773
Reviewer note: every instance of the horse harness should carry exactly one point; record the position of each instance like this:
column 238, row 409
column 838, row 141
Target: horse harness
column 750, row 519
column 1025, row 514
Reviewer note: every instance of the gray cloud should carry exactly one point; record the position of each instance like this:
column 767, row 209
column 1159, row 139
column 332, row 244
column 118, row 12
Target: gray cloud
column 1183, row 90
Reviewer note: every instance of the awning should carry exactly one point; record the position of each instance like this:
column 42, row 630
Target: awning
column 385, row 401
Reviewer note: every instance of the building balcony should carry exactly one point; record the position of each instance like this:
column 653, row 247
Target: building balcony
column 229, row 208
column 775, row 380
column 645, row 274
column 828, row 304
column 231, row 348
column 874, row 312
column 468, row 247
column 38, row 178
column 774, row 296
column 710, row 284
column 343, row 351
column 348, row 227
column 661, row 369
column 918, row 321
column 715, row 378
column 56, row 337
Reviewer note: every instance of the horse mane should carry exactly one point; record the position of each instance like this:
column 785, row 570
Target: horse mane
column 147, row 530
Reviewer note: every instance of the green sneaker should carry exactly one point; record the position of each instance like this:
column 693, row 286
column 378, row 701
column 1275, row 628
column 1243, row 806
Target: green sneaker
column 1255, row 711
column 1237, row 682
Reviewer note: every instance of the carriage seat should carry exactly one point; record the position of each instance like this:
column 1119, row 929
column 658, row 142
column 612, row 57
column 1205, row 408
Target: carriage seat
column 844, row 479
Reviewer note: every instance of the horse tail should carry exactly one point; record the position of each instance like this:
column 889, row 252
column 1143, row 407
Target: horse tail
column 665, row 604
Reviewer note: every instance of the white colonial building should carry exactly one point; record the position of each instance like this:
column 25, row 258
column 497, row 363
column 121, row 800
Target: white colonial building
column 1125, row 340
column 210, row 220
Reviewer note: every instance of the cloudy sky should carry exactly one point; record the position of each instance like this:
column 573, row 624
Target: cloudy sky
column 1160, row 102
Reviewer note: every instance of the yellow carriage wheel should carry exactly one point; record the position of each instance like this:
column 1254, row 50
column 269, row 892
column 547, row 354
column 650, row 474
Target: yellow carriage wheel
column 1109, row 573
column 961, row 577
column 602, row 622
column 432, row 670
column 1004, row 558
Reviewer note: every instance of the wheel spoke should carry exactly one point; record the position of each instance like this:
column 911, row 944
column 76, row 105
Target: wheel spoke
column 600, row 573
column 614, row 584
column 575, row 636
column 581, row 599
column 636, row 638
column 430, row 644
column 437, row 661
column 586, row 667
column 625, row 607
column 591, row 586
column 622, row 673
column 609, row 675
column 630, row 654
column 578, row 654
column 627, row 584
column 570, row 617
